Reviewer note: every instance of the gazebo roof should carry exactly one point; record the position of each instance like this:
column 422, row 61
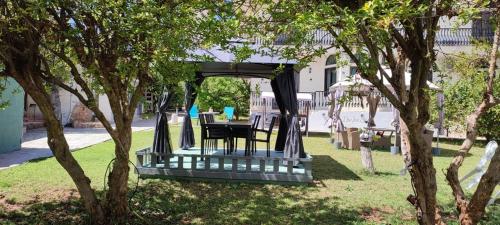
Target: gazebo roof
column 262, row 65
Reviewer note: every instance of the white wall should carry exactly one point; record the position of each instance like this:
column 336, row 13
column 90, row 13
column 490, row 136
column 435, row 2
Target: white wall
column 318, row 120
column 312, row 77
column 68, row 102
column 105, row 107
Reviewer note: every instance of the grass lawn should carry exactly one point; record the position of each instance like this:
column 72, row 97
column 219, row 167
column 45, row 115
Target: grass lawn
column 40, row 192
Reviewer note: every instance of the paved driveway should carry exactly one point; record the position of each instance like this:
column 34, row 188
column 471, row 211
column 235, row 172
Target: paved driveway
column 35, row 142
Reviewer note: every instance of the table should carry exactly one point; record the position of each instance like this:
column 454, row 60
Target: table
column 383, row 130
column 384, row 142
column 230, row 127
column 213, row 113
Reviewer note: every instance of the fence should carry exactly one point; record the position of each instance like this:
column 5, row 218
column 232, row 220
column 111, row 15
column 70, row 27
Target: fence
column 224, row 166
column 319, row 101
column 444, row 37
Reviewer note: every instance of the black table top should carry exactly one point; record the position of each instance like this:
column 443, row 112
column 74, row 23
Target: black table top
column 230, row 124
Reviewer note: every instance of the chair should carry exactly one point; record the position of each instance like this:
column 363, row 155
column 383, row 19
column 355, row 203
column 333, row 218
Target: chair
column 243, row 133
column 229, row 111
column 255, row 125
column 268, row 133
column 210, row 136
column 209, row 118
column 194, row 112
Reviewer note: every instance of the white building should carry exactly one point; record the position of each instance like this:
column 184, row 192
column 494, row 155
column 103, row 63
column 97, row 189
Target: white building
column 325, row 71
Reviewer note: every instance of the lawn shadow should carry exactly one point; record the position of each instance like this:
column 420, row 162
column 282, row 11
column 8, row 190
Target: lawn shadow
column 325, row 167
column 188, row 202
column 69, row 211
column 231, row 203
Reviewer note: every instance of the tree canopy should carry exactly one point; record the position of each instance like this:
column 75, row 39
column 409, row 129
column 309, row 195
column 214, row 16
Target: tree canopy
column 218, row 92
column 115, row 48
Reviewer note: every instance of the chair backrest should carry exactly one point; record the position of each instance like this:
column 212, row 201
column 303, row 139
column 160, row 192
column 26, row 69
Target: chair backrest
column 252, row 116
column 202, row 119
column 271, row 126
column 255, row 122
column 193, row 112
column 209, row 117
column 229, row 111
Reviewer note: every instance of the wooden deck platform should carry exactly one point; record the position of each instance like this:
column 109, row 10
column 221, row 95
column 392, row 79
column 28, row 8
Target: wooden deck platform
column 189, row 163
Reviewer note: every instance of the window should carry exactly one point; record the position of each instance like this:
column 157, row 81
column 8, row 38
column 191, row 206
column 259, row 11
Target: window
column 331, row 60
column 330, row 77
column 330, row 72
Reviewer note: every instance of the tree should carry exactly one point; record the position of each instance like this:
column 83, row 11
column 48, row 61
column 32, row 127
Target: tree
column 398, row 32
column 116, row 48
column 471, row 211
column 218, row 92
column 465, row 93
column 20, row 57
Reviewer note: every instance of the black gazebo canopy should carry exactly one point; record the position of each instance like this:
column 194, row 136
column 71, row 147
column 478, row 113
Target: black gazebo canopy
column 283, row 85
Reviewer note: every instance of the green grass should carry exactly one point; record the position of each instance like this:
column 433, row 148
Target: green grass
column 342, row 194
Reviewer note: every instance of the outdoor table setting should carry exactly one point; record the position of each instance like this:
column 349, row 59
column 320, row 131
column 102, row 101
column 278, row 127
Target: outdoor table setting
column 233, row 129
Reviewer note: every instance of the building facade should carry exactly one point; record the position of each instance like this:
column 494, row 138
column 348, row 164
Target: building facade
column 335, row 66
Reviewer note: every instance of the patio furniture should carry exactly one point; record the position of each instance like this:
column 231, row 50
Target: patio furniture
column 242, row 133
column 255, row 126
column 229, row 128
column 229, row 111
column 194, row 112
column 253, row 115
column 268, row 133
column 382, row 141
column 209, row 118
column 211, row 135
column 353, row 141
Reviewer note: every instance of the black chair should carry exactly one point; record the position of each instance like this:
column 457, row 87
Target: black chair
column 212, row 135
column 255, row 125
column 243, row 133
column 268, row 133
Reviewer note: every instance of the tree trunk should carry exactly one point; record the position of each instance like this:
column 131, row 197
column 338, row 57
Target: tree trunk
column 117, row 199
column 60, row 149
column 405, row 144
column 452, row 173
column 56, row 101
column 487, row 184
column 366, row 157
column 420, row 164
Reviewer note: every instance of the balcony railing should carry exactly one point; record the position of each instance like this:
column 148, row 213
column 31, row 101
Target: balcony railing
column 319, row 101
column 444, row 37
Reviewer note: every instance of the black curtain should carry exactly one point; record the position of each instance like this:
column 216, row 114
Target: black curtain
column 162, row 143
column 283, row 124
column 187, row 133
column 285, row 88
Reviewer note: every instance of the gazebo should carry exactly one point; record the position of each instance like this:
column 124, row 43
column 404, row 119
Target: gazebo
column 289, row 161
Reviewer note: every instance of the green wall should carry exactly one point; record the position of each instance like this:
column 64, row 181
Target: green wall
column 11, row 118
